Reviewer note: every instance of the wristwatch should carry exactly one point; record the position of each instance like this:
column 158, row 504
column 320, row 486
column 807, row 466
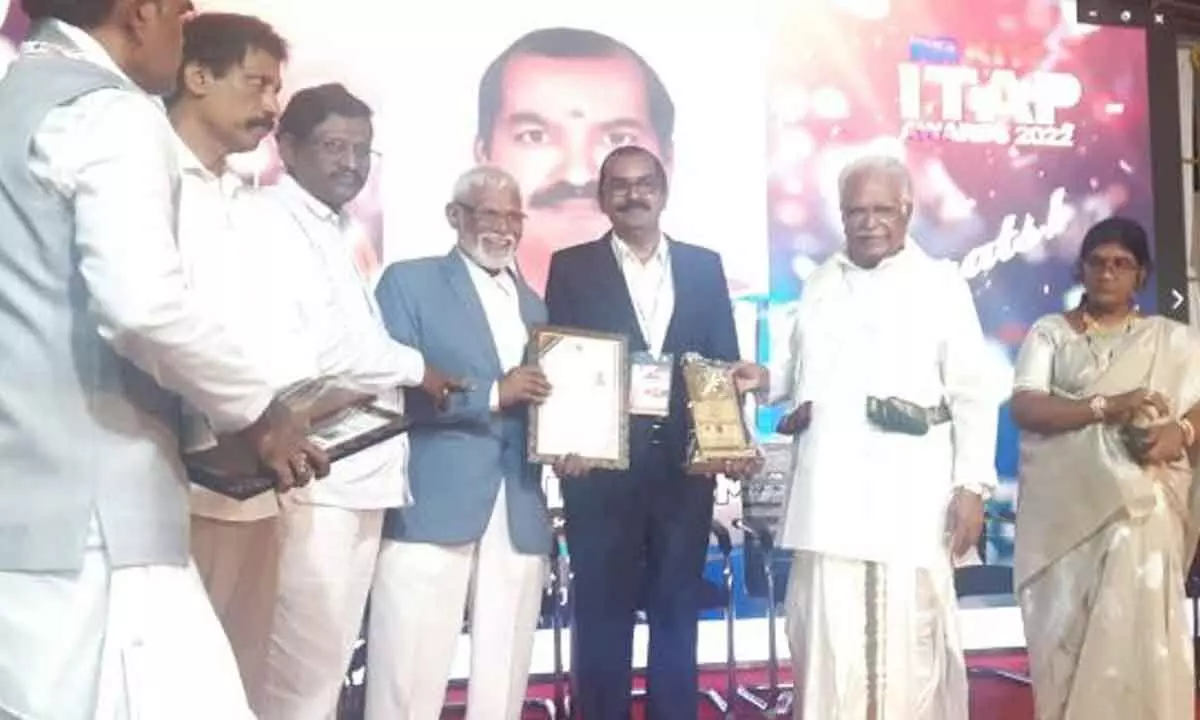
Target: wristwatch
column 1099, row 406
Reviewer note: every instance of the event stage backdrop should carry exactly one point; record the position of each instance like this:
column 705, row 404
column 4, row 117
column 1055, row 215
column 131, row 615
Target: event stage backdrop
column 1020, row 126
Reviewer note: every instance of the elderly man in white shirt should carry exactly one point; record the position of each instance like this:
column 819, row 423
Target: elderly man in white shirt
column 885, row 375
column 331, row 531
column 226, row 102
column 101, row 613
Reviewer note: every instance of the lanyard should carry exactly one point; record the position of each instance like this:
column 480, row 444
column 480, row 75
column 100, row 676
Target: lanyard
column 647, row 321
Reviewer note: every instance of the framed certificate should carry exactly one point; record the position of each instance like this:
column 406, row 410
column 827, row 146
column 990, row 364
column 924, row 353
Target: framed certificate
column 342, row 422
column 587, row 413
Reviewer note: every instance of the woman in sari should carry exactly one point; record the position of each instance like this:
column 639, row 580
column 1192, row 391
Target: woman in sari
column 1107, row 403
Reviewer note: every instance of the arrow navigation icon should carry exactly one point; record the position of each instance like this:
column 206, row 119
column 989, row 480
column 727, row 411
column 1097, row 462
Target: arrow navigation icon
column 1178, row 297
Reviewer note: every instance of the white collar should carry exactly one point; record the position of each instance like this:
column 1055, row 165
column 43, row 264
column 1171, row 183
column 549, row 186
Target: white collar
column 911, row 251
column 480, row 272
column 625, row 254
column 190, row 164
column 296, row 193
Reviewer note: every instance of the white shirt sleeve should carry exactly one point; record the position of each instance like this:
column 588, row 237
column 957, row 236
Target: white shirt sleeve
column 110, row 154
column 972, row 400
column 785, row 359
column 379, row 363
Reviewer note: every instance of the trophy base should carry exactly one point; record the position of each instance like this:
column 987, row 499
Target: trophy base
column 742, row 461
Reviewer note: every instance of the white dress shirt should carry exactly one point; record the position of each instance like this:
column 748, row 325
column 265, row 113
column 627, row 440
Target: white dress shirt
column 230, row 274
column 502, row 308
column 907, row 328
column 314, row 251
column 111, row 156
column 651, row 290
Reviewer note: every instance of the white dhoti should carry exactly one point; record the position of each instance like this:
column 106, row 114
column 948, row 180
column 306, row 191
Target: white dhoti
column 417, row 616
column 104, row 643
column 874, row 641
column 239, row 563
column 327, row 559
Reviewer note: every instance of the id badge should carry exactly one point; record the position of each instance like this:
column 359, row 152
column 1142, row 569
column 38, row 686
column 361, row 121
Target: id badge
column 650, row 385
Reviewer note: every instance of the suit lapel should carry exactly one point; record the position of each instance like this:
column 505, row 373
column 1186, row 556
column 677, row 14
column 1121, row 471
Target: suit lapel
column 454, row 266
column 612, row 285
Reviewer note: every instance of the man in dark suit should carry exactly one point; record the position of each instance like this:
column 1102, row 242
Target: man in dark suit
column 638, row 538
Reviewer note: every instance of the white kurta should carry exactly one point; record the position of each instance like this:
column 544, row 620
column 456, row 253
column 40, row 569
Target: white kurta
column 866, row 511
column 126, row 642
column 234, row 543
column 330, row 530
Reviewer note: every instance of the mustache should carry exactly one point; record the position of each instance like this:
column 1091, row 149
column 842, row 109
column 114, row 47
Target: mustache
column 561, row 192
column 509, row 238
column 633, row 204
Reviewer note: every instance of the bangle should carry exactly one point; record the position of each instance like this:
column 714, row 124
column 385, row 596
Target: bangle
column 1099, row 407
column 1189, row 431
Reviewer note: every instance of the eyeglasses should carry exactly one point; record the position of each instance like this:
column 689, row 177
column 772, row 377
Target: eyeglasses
column 640, row 186
column 493, row 218
column 1098, row 263
column 336, row 149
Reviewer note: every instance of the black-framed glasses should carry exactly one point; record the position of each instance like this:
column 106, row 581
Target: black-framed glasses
column 647, row 185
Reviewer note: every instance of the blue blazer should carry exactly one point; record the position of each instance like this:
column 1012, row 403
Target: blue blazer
column 459, row 456
column 587, row 289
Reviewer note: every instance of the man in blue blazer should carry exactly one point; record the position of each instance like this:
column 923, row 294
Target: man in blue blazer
column 639, row 538
column 478, row 529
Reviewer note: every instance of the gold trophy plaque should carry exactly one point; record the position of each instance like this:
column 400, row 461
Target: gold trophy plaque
column 718, row 433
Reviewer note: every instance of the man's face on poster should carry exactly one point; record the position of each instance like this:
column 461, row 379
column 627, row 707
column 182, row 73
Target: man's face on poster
column 559, row 118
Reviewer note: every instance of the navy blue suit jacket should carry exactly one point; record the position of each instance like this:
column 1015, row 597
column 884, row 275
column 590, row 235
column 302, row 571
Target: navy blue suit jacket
column 586, row 289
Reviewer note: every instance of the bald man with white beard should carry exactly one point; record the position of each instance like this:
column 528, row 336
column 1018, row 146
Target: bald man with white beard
column 478, row 531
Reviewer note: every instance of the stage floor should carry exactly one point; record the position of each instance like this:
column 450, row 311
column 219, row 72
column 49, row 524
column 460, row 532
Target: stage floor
column 989, row 623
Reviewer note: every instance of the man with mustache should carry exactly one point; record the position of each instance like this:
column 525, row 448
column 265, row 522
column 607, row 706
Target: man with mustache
column 638, row 538
column 330, row 533
column 102, row 614
column 886, row 358
column 478, row 530
column 226, row 102
column 551, row 107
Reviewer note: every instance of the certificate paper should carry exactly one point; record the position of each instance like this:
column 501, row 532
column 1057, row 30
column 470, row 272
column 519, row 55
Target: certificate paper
column 586, row 413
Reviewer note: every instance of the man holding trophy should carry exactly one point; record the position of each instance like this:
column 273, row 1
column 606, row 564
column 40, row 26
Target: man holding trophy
column 896, row 430
column 635, row 309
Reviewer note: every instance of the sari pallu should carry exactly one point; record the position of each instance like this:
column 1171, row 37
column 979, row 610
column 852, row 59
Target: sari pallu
column 1102, row 544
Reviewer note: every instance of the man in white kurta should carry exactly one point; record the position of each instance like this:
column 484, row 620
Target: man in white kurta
column 104, row 616
column 331, row 530
column 216, row 112
column 875, row 515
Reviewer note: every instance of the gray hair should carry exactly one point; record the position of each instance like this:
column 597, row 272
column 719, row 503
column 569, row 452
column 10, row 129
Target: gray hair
column 890, row 167
column 479, row 177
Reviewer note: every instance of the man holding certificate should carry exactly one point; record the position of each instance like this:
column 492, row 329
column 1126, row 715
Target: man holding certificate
column 478, row 531
column 638, row 528
column 895, row 418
